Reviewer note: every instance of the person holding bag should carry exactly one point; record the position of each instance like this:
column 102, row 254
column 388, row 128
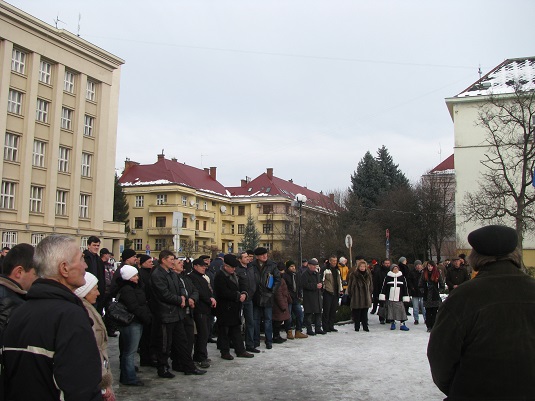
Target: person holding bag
column 133, row 297
column 88, row 293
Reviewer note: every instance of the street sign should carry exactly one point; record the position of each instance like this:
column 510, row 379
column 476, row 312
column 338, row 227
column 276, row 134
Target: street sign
column 349, row 241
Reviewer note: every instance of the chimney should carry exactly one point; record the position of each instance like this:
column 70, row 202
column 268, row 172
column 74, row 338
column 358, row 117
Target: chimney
column 291, row 181
column 213, row 172
column 174, row 159
column 206, row 169
column 331, row 197
column 128, row 164
column 243, row 183
column 270, row 173
column 161, row 156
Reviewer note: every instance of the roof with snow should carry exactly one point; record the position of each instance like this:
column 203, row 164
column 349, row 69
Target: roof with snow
column 502, row 79
column 268, row 185
column 166, row 171
column 447, row 166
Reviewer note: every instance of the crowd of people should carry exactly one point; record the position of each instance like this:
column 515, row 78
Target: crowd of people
column 58, row 307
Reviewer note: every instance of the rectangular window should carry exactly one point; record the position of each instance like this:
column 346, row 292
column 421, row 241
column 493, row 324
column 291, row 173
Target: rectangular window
column 159, row 244
column 232, row 228
column 138, row 222
column 11, row 147
column 63, row 159
column 197, row 225
column 61, row 203
column 266, row 209
column 14, row 102
column 196, row 203
column 232, row 210
column 9, row 239
column 86, row 164
column 160, row 221
column 83, row 243
column 68, row 83
column 18, row 61
column 84, row 206
column 241, row 228
column 161, row 199
column 196, row 246
column 36, row 238
column 89, row 124
column 45, row 72
column 184, row 200
column 241, row 210
column 41, row 112
column 7, row 195
column 138, row 244
column 205, row 205
column 39, row 153
column 91, row 92
column 184, row 222
column 267, row 245
column 36, row 199
column 267, row 228
column 66, row 118
column 140, row 200
column 204, row 225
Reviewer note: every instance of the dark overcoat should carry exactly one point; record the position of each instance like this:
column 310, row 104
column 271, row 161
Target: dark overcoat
column 227, row 290
column 311, row 293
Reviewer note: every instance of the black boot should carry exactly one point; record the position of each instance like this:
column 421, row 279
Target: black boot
column 357, row 327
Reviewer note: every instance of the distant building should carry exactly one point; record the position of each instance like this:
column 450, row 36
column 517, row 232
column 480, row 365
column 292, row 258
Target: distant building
column 470, row 145
column 58, row 128
column 183, row 208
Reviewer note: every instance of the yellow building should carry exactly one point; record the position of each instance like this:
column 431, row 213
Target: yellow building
column 58, row 118
column 185, row 209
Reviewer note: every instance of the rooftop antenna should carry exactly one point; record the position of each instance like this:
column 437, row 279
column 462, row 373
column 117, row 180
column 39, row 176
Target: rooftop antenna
column 56, row 20
column 79, row 18
column 440, row 151
column 479, row 72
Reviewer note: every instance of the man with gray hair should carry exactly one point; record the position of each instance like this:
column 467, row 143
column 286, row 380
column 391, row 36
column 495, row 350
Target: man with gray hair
column 49, row 349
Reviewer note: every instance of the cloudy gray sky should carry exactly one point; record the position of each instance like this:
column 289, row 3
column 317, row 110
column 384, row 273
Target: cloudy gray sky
column 303, row 86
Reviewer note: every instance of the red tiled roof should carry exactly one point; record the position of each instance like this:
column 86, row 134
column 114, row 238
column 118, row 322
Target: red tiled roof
column 269, row 185
column 447, row 164
column 166, row 171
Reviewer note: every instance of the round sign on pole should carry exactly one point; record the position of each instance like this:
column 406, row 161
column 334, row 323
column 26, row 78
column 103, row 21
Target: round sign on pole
column 349, row 241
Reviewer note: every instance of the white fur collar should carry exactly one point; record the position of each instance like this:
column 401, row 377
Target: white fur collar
column 392, row 274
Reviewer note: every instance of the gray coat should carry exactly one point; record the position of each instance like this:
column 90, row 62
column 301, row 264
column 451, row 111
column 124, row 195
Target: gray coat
column 311, row 293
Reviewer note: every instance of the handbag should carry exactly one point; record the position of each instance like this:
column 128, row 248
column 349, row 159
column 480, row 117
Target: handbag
column 119, row 314
column 346, row 300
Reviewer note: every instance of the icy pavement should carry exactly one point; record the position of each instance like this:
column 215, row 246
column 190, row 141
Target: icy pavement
column 348, row 365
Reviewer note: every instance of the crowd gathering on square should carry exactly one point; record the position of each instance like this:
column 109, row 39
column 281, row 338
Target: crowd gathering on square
column 59, row 306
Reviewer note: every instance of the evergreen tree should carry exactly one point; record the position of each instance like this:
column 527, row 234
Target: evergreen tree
column 120, row 205
column 367, row 183
column 251, row 236
column 393, row 176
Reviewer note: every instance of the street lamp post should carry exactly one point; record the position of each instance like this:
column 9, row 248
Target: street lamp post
column 300, row 199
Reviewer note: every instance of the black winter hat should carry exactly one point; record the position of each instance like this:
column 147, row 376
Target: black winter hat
column 493, row 240
column 289, row 263
column 127, row 254
column 231, row 260
column 260, row 251
column 143, row 259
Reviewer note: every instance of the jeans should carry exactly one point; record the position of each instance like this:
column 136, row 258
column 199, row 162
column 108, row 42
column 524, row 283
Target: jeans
column 248, row 314
column 266, row 312
column 130, row 336
column 298, row 312
column 417, row 307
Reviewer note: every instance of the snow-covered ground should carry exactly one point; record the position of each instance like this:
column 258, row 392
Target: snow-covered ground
column 348, row 365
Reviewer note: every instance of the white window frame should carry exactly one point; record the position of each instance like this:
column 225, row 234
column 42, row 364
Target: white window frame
column 205, row 205
column 61, row 202
column 7, row 195
column 89, row 125
column 69, row 81
column 9, row 239
column 39, row 153
column 91, row 91
column 36, row 199
column 11, row 147
column 66, row 118
column 84, row 206
column 63, row 159
column 41, row 110
column 184, row 200
column 140, row 200
column 83, row 243
column 14, row 102
column 45, row 72
column 161, row 199
column 138, row 244
column 18, row 61
column 36, row 238
column 87, row 158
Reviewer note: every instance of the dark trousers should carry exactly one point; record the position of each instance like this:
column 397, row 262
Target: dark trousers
column 248, row 314
column 430, row 316
column 308, row 321
column 227, row 334
column 277, row 324
column 172, row 339
column 330, row 306
column 200, row 352
column 146, row 353
column 360, row 316
column 189, row 329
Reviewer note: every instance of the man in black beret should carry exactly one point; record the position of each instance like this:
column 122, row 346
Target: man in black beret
column 456, row 275
column 482, row 344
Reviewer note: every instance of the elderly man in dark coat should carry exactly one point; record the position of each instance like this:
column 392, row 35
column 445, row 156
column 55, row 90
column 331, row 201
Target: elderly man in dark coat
column 229, row 297
column 482, row 346
column 311, row 283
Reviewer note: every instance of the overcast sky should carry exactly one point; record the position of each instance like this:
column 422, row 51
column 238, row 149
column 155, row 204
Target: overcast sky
column 305, row 86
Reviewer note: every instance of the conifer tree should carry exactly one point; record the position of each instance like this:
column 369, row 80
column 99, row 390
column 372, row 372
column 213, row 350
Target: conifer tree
column 120, row 205
column 251, row 236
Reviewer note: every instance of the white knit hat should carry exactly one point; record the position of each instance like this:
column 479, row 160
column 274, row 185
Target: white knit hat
column 90, row 282
column 127, row 272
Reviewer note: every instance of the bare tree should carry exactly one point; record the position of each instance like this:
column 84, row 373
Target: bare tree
column 504, row 191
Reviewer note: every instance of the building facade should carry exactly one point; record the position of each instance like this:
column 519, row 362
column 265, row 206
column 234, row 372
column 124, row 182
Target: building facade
column 58, row 126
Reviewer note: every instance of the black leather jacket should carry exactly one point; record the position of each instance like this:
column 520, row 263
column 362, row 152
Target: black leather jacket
column 167, row 292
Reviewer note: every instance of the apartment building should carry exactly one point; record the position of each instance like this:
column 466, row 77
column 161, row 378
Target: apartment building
column 185, row 209
column 58, row 126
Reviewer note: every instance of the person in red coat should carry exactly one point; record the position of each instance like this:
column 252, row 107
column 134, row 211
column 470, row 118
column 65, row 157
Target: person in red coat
column 281, row 312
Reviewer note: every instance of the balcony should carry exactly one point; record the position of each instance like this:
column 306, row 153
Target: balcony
column 204, row 234
column 274, row 217
column 165, row 208
column 160, row 231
